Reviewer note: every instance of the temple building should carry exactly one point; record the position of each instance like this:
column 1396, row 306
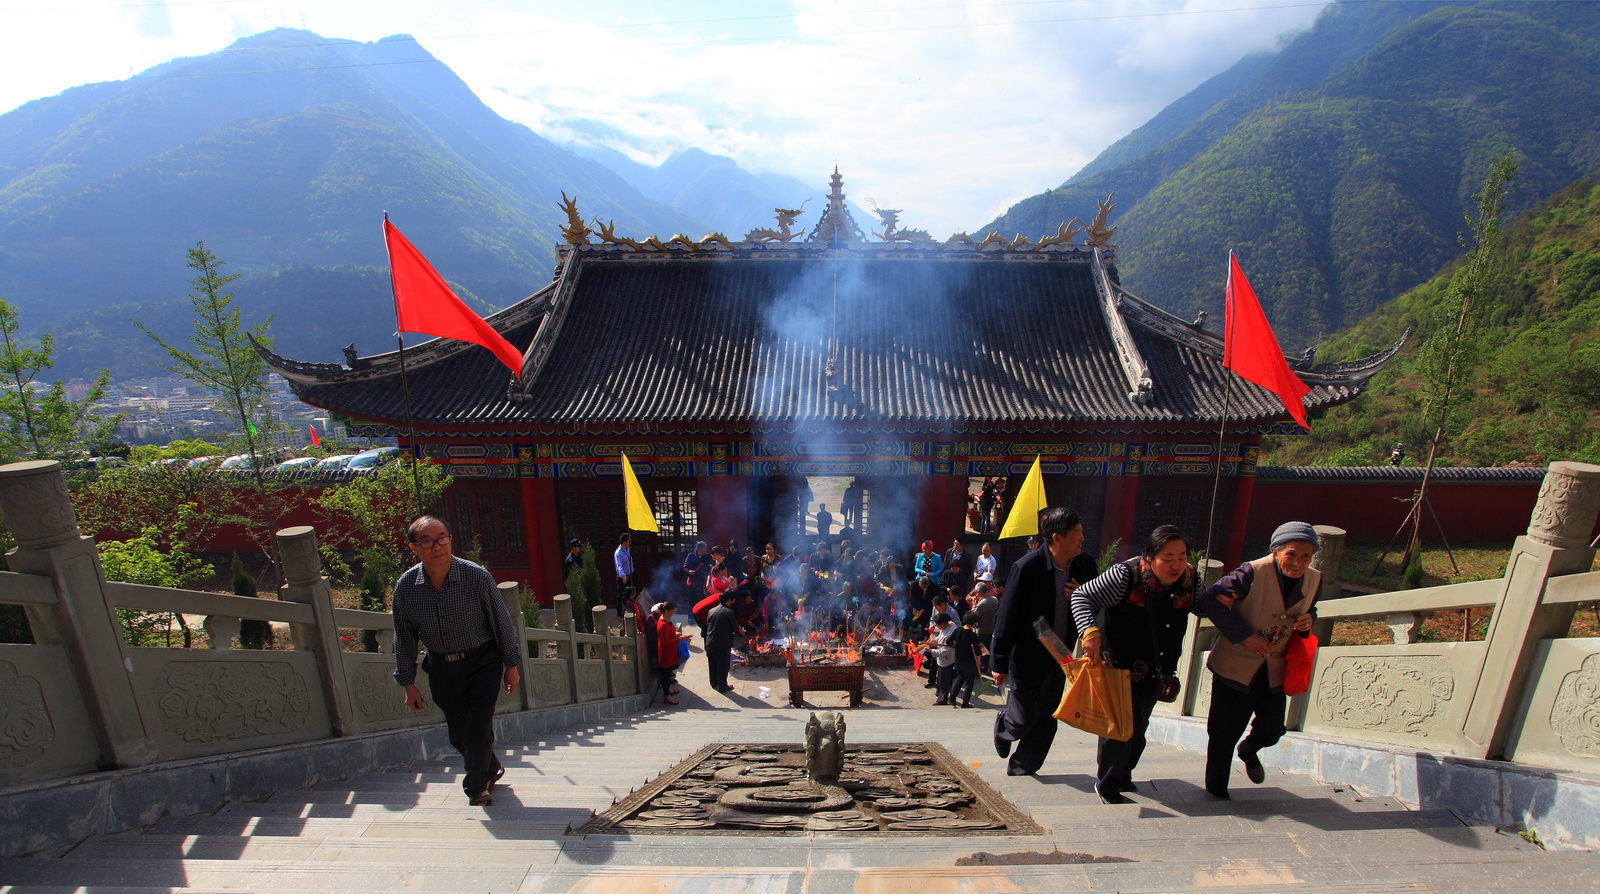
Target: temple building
column 730, row 371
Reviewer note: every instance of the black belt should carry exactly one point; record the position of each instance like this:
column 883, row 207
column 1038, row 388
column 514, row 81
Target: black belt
column 457, row 656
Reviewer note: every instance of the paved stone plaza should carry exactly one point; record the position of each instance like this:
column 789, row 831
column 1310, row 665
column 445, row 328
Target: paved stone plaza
column 411, row 829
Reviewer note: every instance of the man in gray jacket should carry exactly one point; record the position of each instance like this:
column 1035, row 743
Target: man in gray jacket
column 722, row 625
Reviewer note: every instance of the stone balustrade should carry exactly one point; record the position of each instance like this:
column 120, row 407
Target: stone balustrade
column 80, row 699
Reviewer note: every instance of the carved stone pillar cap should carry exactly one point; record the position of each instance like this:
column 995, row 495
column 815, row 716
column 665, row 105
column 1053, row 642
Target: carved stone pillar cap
column 1329, row 531
column 38, row 510
column 1569, row 500
column 301, row 564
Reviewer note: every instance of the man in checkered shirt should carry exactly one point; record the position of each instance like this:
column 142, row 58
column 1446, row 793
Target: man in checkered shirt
column 451, row 606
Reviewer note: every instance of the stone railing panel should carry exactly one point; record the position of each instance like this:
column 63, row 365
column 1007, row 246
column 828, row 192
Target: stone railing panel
column 547, row 680
column 1395, row 694
column 1558, row 721
column 200, row 701
column 377, row 701
column 44, row 730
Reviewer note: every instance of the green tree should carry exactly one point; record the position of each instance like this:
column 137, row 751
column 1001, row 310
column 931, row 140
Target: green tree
column 372, row 511
column 141, row 560
column 253, row 632
column 1455, row 348
column 583, row 585
column 224, row 361
column 43, row 423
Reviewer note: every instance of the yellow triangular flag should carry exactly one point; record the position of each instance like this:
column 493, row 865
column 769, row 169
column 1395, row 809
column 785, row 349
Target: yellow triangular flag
column 1024, row 516
column 641, row 517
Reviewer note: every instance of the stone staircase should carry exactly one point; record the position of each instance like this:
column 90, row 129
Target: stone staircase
column 411, row 829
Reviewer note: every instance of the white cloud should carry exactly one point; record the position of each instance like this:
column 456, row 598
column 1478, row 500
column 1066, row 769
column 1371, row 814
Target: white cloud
column 946, row 109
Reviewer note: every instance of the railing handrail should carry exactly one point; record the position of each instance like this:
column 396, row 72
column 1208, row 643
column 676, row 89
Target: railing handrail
column 197, row 602
column 1472, row 594
column 1583, row 587
column 361, row 619
column 26, row 589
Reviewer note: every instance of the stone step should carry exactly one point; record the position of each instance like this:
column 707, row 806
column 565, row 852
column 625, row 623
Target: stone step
column 1553, row 874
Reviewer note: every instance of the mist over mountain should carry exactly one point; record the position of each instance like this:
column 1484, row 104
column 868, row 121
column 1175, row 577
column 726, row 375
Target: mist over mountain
column 1340, row 167
column 283, row 151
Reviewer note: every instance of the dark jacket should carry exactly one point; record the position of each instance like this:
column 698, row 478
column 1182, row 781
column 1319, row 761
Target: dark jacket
column 722, row 625
column 1031, row 594
column 1136, row 624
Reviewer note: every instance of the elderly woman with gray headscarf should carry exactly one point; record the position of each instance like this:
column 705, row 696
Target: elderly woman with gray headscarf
column 1256, row 609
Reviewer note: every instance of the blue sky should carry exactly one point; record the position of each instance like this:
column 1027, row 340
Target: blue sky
column 949, row 110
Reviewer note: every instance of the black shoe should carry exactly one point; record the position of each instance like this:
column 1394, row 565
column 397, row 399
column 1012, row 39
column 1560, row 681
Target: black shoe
column 498, row 774
column 1220, row 796
column 1002, row 747
column 940, row 701
column 1252, row 767
column 1111, row 797
column 481, row 799
column 1012, row 771
column 1128, row 787
column 965, row 705
column 927, row 686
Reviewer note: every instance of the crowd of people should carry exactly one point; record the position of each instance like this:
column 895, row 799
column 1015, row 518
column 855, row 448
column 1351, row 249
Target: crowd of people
column 949, row 608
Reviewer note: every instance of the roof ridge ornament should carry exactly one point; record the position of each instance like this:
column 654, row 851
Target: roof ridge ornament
column 575, row 231
column 786, row 217
column 891, row 228
column 836, row 227
column 1099, row 233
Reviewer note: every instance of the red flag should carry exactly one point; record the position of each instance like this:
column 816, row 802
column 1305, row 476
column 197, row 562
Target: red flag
column 315, row 441
column 423, row 303
column 1251, row 350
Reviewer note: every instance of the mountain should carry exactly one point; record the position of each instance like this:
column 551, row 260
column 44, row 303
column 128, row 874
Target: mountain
column 715, row 189
column 1536, row 395
column 1339, row 168
column 283, row 151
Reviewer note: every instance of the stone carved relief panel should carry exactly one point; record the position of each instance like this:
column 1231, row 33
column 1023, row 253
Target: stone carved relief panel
column 25, row 727
column 207, row 701
column 375, row 694
column 591, row 680
column 548, row 682
column 1575, row 715
column 1409, row 695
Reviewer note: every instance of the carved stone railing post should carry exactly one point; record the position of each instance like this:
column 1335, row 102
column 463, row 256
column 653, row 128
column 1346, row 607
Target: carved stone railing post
column 602, row 626
column 511, row 595
column 1185, row 705
column 302, row 569
column 567, row 647
column 642, row 659
column 1556, row 544
column 39, row 514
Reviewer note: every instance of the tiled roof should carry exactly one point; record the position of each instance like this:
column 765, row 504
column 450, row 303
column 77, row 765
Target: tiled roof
column 745, row 336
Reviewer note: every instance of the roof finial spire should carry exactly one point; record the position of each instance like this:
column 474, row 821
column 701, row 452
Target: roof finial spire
column 836, row 227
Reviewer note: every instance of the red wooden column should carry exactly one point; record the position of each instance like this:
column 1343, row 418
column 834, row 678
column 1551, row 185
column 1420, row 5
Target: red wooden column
column 1243, row 489
column 539, row 520
column 941, row 509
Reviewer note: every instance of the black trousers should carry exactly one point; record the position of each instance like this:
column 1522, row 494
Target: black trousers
column 466, row 691
column 1231, row 710
column 1115, row 760
column 1028, row 720
column 718, row 662
column 961, row 685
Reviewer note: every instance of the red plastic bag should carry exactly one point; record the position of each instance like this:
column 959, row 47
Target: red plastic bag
column 1301, row 655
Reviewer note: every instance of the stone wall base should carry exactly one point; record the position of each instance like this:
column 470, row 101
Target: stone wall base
column 1562, row 808
column 59, row 813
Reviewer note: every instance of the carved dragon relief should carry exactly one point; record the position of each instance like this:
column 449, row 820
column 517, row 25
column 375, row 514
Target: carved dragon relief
column 890, row 218
column 1098, row 232
column 1065, row 234
column 575, row 231
column 784, row 232
column 608, row 234
column 994, row 239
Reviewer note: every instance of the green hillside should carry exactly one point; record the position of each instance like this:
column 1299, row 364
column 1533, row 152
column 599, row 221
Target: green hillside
column 1537, row 396
column 1345, row 187
column 282, row 151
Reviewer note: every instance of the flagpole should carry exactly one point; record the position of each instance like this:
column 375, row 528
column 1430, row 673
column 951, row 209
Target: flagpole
column 405, row 384
column 1222, row 425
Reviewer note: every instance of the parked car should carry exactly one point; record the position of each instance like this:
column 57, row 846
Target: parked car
column 299, row 465
column 332, row 463
column 370, row 460
column 204, row 462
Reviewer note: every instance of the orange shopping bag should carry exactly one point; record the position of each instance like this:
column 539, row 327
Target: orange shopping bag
column 1098, row 700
